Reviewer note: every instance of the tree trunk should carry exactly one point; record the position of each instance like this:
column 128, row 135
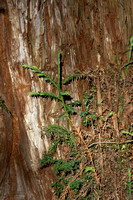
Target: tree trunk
column 90, row 36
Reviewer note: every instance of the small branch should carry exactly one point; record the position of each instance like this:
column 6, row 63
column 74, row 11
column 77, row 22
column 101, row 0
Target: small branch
column 95, row 143
column 78, row 132
column 129, row 63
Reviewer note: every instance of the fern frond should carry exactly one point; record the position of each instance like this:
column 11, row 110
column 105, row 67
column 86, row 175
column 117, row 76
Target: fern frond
column 66, row 166
column 40, row 74
column 33, row 68
column 70, row 78
column 60, row 132
column 46, row 160
column 45, row 95
column 54, row 145
column 49, row 79
column 56, row 130
column 75, row 103
column 26, row 66
column 64, row 93
column 70, row 110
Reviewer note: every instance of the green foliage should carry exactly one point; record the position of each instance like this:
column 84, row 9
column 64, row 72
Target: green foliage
column 46, row 160
column 115, row 147
column 88, row 116
column 127, row 65
column 70, row 78
column 3, row 106
column 40, row 74
column 120, row 109
column 65, row 166
column 58, row 185
column 74, row 170
column 131, row 49
column 58, row 86
column 75, row 103
column 129, row 183
column 64, row 180
column 59, row 134
column 65, row 169
column 117, row 60
column 130, row 62
column 49, row 80
column 89, row 169
column 56, row 130
column 88, row 178
column 128, row 133
column 45, row 94
column 60, row 165
column 33, row 68
column 70, row 108
column 55, row 144
column 64, row 93
column 110, row 114
column 76, row 185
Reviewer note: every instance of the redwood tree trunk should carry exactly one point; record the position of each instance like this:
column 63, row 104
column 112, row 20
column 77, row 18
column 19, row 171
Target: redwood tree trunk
column 90, row 35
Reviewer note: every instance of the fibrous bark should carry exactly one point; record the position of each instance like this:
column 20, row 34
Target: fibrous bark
column 90, row 35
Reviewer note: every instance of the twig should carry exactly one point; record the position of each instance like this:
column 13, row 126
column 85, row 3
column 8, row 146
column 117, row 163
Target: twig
column 95, row 143
column 129, row 63
column 78, row 132
column 63, row 195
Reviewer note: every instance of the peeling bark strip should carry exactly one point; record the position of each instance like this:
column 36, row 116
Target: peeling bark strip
column 88, row 33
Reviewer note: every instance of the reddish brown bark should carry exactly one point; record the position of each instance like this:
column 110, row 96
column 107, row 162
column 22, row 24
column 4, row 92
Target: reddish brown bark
column 88, row 33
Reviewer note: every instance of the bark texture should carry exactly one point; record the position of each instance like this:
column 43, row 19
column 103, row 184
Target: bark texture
column 89, row 34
